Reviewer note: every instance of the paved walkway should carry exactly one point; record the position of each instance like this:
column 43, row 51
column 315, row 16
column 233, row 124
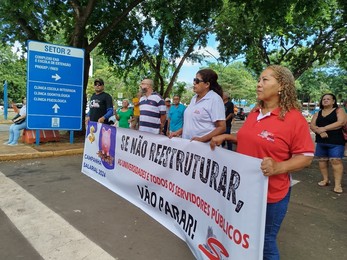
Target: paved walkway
column 29, row 151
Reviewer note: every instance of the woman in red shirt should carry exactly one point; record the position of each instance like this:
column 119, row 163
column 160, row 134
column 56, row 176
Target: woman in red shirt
column 276, row 132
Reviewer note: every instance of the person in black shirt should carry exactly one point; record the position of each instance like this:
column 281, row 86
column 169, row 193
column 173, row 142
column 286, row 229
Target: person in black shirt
column 229, row 115
column 327, row 124
column 101, row 104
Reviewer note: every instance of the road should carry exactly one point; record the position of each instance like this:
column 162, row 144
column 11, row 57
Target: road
column 85, row 211
column 50, row 210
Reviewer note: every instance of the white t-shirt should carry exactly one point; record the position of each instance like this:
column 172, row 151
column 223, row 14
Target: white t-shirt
column 23, row 110
column 200, row 117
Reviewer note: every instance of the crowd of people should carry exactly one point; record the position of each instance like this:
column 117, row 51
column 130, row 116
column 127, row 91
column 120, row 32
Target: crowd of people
column 275, row 131
column 201, row 120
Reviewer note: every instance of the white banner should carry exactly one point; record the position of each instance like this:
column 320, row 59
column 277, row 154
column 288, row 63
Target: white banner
column 213, row 200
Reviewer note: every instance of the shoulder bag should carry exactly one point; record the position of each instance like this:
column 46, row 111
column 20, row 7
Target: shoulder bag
column 18, row 121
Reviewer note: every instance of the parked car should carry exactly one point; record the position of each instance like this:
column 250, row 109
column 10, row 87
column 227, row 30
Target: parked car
column 242, row 113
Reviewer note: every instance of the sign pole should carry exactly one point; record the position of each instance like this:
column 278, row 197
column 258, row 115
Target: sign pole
column 71, row 136
column 5, row 100
column 37, row 137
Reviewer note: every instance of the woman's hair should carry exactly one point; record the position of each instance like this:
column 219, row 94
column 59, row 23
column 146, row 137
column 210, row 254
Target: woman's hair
column 327, row 94
column 210, row 76
column 288, row 98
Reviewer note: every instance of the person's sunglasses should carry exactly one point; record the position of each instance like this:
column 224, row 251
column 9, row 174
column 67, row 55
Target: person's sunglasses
column 97, row 85
column 197, row 81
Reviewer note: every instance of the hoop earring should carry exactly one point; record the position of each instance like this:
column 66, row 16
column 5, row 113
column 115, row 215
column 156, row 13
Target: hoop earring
column 279, row 93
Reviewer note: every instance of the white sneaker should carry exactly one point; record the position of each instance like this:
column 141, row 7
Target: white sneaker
column 12, row 144
column 5, row 142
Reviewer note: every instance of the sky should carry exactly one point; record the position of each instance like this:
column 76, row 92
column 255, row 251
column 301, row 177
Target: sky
column 188, row 70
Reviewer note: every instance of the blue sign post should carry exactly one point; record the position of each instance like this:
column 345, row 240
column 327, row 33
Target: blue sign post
column 5, row 100
column 54, row 86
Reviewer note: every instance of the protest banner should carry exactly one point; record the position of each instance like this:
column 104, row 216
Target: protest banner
column 214, row 200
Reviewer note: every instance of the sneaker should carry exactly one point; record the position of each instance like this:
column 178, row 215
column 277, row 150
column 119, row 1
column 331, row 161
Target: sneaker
column 12, row 144
column 6, row 142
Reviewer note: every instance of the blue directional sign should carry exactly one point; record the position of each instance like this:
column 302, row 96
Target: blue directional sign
column 54, row 86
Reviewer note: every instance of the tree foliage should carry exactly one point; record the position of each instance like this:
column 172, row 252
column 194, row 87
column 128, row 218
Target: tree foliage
column 154, row 37
column 295, row 33
column 84, row 23
column 12, row 70
column 237, row 80
column 160, row 37
column 320, row 80
column 120, row 28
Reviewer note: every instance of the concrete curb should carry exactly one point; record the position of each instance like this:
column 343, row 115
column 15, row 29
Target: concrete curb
column 23, row 156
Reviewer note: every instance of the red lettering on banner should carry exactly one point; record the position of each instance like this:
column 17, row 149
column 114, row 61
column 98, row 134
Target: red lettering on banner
column 212, row 243
column 135, row 169
column 159, row 181
column 233, row 233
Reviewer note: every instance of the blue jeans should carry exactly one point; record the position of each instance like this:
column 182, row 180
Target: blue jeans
column 15, row 132
column 275, row 213
column 228, row 143
column 329, row 150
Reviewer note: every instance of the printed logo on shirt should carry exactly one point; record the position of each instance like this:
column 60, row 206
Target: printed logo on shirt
column 95, row 103
column 197, row 112
column 267, row 135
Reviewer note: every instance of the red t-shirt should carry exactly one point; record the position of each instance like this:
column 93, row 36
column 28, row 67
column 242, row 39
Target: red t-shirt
column 278, row 139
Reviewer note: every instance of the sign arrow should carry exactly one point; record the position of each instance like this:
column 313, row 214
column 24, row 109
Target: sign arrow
column 56, row 77
column 55, row 107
